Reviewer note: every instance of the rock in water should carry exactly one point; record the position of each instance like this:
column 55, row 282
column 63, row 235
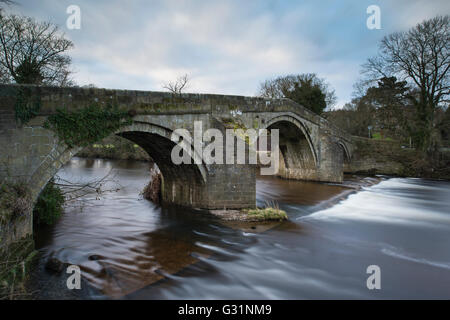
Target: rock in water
column 54, row 265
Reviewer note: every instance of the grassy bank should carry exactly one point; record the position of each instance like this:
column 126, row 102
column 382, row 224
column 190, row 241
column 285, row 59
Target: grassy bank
column 114, row 147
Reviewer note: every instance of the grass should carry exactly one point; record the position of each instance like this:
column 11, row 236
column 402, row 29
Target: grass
column 379, row 136
column 270, row 213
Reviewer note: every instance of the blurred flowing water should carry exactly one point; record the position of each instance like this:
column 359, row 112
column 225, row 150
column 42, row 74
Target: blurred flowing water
column 129, row 248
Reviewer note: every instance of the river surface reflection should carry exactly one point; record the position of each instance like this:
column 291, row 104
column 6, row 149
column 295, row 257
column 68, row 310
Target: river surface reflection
column 129, row 248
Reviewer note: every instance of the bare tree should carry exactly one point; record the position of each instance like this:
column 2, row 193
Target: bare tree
column 421, row 57
column 3, row 74
column 33, row 52
column 177, row 86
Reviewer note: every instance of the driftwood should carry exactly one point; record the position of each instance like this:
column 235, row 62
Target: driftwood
column 152, row 191
column 79, row 194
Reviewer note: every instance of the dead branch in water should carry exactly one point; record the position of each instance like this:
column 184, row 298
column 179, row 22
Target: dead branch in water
column 76, row 193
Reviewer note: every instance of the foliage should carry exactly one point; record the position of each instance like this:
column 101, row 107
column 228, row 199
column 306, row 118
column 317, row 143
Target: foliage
column 384, row 107
column 15, row 201
column 420, row 56
column 379, row 136
column 444, row 126
column 49, row 205
column 86, row 125
column 354, row 118
column 309, row 95
column 27, row 106
column 28, row 72
column 306, row 89
column 32, row 52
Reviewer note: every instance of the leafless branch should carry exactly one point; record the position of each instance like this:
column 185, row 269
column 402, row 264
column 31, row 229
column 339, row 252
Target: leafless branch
column 76, row 192
column 178, row 86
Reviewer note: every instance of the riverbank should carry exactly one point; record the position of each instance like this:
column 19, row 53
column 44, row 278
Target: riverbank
column 115, row 148
column 16, row 263
column 386, row 157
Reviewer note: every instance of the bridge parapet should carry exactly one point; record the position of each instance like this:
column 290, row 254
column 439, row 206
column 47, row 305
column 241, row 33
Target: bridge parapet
column 152, row 102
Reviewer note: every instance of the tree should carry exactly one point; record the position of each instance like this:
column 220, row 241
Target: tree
column 384, row 107
column 392, row 107
column 421, row 57
column 444, row 127
column 177, row 86
column 355, row 117
column 306, row 89
column 33, row 52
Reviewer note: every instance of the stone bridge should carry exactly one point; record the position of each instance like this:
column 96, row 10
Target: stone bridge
column 311, row 148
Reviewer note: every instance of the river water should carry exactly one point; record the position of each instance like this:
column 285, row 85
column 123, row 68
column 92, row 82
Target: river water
column 130, row 248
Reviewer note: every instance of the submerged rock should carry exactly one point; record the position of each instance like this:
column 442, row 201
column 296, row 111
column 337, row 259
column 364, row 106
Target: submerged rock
column 54, row 265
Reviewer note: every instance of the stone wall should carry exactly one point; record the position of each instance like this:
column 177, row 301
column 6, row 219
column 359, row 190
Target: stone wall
column 379, row 157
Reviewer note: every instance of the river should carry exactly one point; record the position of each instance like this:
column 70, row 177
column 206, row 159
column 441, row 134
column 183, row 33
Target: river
column 130, row 248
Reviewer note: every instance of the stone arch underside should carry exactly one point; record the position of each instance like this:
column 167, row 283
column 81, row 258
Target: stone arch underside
column 183, row 184
column 298, row 157
column 346, row 156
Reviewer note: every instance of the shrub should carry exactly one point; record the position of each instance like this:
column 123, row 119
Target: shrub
column 49, row 205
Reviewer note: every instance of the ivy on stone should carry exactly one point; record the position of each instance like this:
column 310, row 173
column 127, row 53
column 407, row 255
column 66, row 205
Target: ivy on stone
column 87, row 125
column 27, row 106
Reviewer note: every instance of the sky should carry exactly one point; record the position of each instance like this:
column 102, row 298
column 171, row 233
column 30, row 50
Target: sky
column 226, row 47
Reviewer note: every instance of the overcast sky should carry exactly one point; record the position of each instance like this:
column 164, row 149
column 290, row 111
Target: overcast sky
column 226, row 47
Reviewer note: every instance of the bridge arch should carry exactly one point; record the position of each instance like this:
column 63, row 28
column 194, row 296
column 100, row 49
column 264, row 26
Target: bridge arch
column 346, row 152
column 299, row 155
column 181, row 184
